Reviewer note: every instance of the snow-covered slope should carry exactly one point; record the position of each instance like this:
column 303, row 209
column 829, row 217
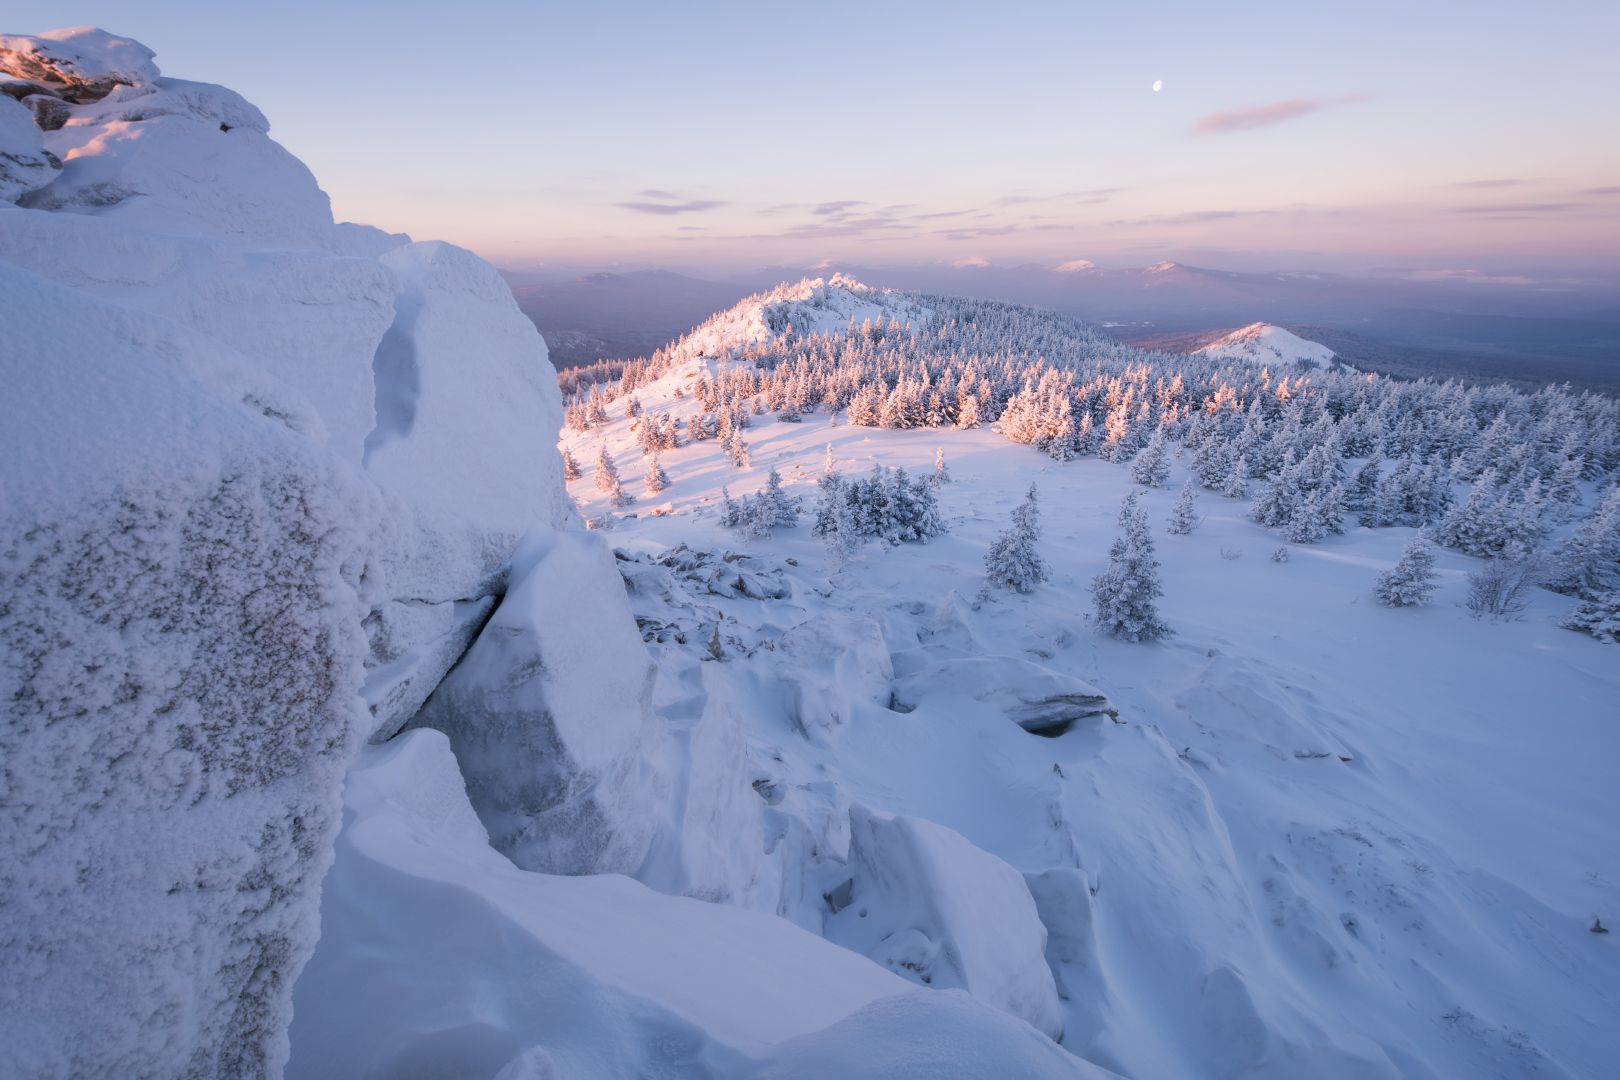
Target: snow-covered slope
column 1262, row 344
column 1318, row 837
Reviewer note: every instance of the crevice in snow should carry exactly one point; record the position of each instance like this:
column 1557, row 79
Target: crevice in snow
column 396, row 377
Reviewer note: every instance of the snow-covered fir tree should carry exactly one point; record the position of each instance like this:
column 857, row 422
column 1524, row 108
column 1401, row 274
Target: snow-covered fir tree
column 1598, row 616
column 571, row 469
column 1587, row 564
column 1152, row 465
column 1013, row 561
column 1123, row 596
column 1184, row 515
column 730, row 512
column 606, row 475
column 942, row 474
column 1410, row 581
column 657, row 479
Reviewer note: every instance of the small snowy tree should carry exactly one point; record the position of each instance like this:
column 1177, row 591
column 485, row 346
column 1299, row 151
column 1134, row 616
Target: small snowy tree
column 1152, row 466
column 657, row 478
column 1236, row 483
column 942, row 475
column 1184, row 516
column 1123, row 595
column 1409, row 582
column 730, row 512
column 606, row 477
column 571, row 469
column 1012, row 561
column 1599, row 616
column 773, row 507
column 829, row 468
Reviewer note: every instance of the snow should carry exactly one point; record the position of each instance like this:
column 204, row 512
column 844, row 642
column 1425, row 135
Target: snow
column 210, row 598
column 273, row 483
column 1320, row 836
column 81, row 57
column 927, row 904
column 1265, row 345
column 24, row 164
column 487, row 967
column 549, row 717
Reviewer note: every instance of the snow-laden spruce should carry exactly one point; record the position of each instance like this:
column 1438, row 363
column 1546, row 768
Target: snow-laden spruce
column 1184, row 515
column 1123, row 596
column 1409, row 582
column 1013, row 561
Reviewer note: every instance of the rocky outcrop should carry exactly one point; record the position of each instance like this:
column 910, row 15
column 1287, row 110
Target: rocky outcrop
column 263, row 474
column 80, row 64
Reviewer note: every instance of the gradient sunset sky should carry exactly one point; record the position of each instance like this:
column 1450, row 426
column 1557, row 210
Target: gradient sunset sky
column 729, row 135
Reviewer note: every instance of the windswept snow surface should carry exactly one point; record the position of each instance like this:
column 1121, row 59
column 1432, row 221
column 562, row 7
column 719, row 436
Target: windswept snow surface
column 1263, row 344
column 1321, row 837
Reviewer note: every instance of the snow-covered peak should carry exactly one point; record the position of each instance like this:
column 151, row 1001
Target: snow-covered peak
column 1075, row 266
column 1268, row 345
column 1163, row 267
column 810, row 306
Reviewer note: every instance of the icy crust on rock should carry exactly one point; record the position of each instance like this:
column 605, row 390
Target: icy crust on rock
column 179, row 581
column 493, row 971
column 549, row 714
column 207, row 599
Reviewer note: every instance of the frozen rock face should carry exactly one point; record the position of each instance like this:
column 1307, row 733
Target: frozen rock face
column 81, row 63
column 180, row 583
column 225, row 560
column 929, row 905
column 24, row 162
column 549, row 713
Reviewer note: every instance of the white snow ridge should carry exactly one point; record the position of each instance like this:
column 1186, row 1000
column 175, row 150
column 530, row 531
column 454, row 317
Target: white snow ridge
column 842, row 722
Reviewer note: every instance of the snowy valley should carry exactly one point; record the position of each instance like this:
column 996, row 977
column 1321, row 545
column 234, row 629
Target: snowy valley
column 866, row 683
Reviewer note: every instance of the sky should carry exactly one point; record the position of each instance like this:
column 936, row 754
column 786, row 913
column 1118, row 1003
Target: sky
column 722, row 136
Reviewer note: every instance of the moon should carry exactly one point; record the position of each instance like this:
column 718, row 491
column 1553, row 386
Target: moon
column 1158, row 84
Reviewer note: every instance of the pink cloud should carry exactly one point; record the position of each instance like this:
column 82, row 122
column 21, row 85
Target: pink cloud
column 971, row 262
column 1275, row 112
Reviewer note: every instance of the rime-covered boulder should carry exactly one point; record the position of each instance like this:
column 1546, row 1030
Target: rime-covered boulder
column 181, row 587
column 25, row 165
column 224, row 559
column 82, row 62
column 549, row 715
column 1036, row 698
column 927, row 904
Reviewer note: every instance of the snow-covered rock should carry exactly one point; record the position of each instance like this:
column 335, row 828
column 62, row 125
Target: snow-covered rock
column 929, row 905
column 1036, row 698
column 24, row 163
column 182, row 578
column 1263, row 344
column 492, row 970
column 833, row 663
column 209, row 567
column 84, row 61
column 549, row 713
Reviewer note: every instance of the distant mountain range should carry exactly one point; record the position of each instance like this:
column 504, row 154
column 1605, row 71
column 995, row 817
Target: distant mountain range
column 1455, row 324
